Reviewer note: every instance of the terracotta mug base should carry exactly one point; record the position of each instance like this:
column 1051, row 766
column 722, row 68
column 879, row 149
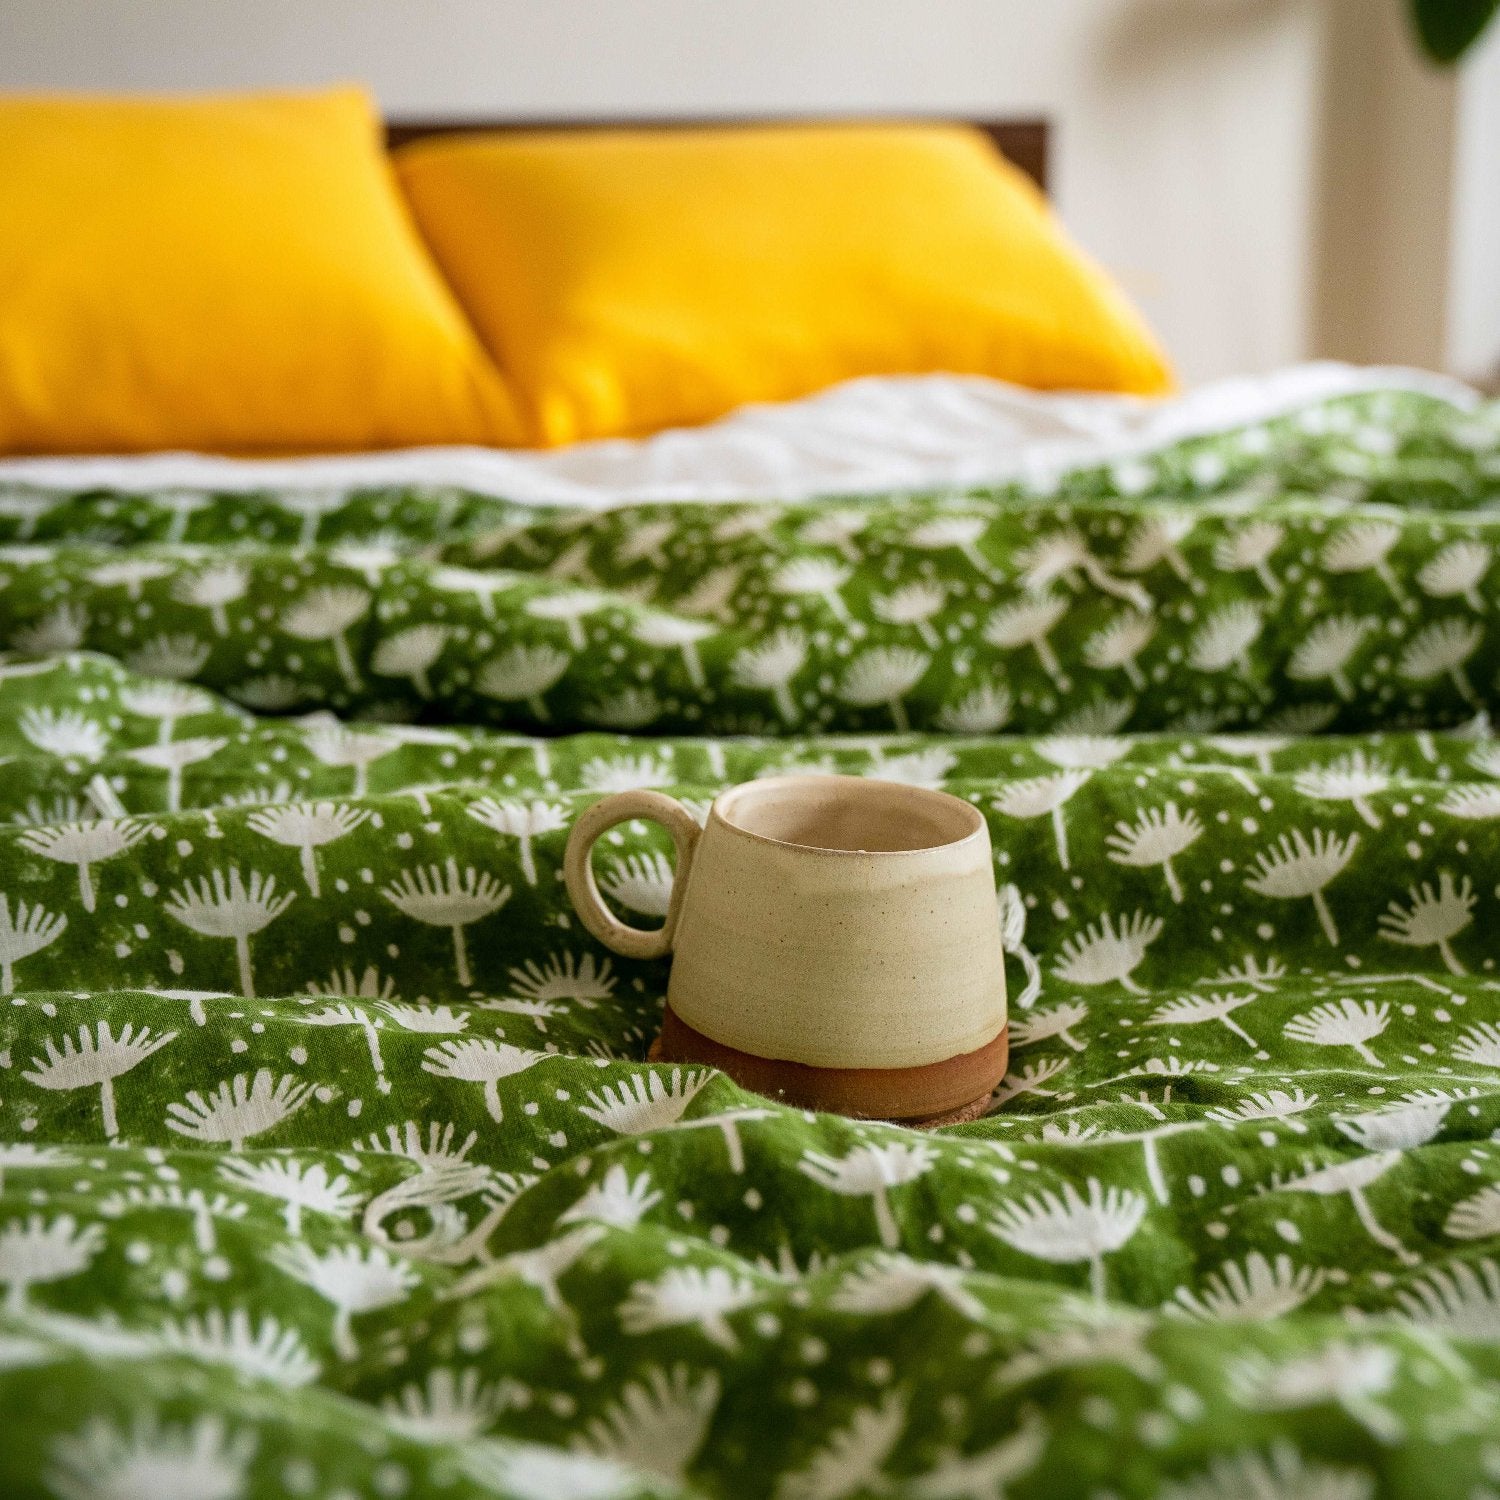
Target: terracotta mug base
column 948, row 1092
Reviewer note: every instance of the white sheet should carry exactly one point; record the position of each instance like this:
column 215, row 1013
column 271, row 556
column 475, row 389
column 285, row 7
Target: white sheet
column 872, row 434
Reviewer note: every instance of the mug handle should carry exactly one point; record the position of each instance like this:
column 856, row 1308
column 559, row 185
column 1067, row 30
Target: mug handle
column 578, row 869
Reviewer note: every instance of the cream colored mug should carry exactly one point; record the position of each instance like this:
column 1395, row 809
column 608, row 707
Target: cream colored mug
column 835, row 942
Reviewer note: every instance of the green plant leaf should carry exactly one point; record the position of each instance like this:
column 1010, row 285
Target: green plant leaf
column 1448, row 28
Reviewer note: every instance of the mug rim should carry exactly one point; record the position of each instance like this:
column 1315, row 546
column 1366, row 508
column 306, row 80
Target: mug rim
column 722, row 807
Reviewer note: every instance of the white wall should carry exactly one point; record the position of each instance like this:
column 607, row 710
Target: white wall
column 1187, row 132
column 1473, row 311
column 1383, row 202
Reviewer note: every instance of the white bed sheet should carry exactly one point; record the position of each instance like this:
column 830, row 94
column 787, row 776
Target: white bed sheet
column 871, row 434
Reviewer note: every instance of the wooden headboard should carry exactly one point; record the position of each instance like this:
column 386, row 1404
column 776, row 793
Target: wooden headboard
column 1023, row 141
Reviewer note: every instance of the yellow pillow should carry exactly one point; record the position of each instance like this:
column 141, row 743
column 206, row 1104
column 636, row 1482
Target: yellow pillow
column 627, row 281
column 232, row 274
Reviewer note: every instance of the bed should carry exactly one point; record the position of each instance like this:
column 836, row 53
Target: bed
column 330, row 1163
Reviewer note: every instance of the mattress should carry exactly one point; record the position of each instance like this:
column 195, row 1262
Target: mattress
column 330, row 1160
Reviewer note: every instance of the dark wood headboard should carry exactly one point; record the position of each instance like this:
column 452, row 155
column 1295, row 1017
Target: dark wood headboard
column 1023, row 141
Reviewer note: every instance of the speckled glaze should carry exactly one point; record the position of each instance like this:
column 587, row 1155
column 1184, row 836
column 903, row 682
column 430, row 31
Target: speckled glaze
column 833, row 924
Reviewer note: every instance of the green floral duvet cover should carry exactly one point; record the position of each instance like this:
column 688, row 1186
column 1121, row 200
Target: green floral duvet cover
column 329, row 1161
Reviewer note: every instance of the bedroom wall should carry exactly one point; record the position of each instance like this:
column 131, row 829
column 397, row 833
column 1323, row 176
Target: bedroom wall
column 1188, row 132
column 1384, row 202
column 1473, row 311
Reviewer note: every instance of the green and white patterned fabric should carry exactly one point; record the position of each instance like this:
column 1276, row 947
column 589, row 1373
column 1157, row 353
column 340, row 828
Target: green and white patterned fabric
column 329, row 1161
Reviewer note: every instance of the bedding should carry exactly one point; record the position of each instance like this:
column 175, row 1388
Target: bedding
column 234, row 273
column 798, row 256
column 331, row 1164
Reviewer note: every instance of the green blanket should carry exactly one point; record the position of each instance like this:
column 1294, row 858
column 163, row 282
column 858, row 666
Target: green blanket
column 329, row 1163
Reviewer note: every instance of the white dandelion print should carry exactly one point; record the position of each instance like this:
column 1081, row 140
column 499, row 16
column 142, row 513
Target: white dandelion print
column 1043, row 797
column 1157, row 837
column 225, row 905
column 1297, row 868
column 1072, row 1228
column 1433, row 917
column 95, row 1060
column 24, row 930
column 447, row 897
column 239, row 1108
column 1342, row 1023
column 1109, row 951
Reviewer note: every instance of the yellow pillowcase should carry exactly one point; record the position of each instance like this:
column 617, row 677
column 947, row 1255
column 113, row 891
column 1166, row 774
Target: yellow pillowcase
column 627, row 281
column 232, row 274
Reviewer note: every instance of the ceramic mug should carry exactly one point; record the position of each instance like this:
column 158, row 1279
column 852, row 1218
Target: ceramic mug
column 835, row 941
